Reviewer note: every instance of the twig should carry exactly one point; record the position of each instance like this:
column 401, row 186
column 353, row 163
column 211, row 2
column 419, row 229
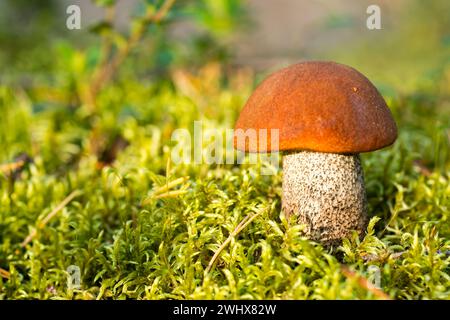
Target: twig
column 241, row 226
column 4, row 274
column 162, row 12
column 10, row 167
column 364, row 283
column 423, row 169
column 42, row 224
column 106, row 50
column 390, row 255
column 107, row 70
column 107, row 44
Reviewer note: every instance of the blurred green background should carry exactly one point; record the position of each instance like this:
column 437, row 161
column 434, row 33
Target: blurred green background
column 57, row 68
column 411, row 50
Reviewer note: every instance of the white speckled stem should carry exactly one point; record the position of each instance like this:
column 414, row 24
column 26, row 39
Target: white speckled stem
column 326, row 191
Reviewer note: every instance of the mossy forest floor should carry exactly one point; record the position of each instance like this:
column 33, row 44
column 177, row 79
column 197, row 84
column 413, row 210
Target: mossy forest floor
column 96, row 189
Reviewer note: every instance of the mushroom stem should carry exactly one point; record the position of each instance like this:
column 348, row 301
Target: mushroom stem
column 326, row 191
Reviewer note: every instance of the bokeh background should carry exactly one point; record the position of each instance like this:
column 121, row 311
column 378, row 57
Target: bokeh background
column 411, row 49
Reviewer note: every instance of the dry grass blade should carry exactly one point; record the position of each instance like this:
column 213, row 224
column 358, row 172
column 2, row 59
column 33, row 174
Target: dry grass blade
column 377, row 258
column 364, row 283
column 241, row 226
column 10, row 167
column 169, row 194
column 170, row 185
column 162, row 12
column 43, row 223
column 4, row 274
column 165, row 192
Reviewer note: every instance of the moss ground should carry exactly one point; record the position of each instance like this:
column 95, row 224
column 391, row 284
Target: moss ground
column 146, row 228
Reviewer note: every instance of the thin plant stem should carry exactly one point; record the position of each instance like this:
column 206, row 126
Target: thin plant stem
column 43, row 223
column 107, row 70
column 241, row 226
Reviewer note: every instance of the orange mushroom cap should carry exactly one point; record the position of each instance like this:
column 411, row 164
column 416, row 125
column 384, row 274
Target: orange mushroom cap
column 317, row 106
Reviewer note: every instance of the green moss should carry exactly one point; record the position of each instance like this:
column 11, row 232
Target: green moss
column 160, row 248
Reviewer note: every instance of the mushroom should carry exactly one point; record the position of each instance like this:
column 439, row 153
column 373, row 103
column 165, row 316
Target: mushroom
column 326, row 113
